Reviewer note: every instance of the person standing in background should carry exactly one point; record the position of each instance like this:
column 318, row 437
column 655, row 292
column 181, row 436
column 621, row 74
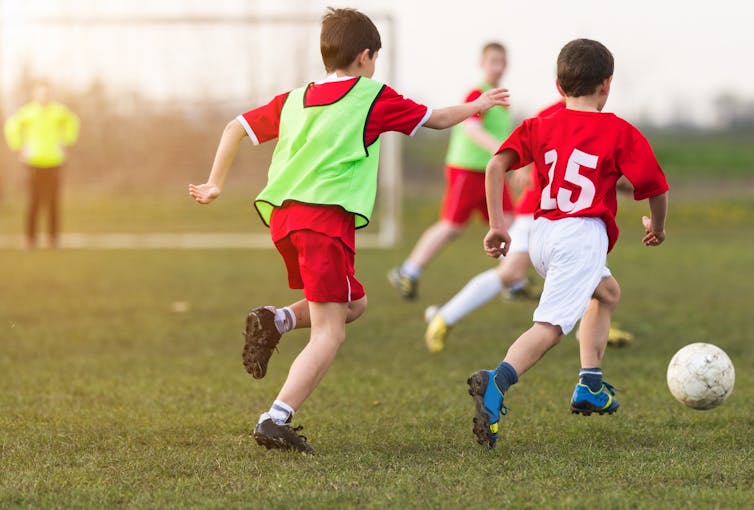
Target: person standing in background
column 41, row 132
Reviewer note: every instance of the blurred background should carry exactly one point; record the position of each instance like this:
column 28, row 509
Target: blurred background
column 155, row 81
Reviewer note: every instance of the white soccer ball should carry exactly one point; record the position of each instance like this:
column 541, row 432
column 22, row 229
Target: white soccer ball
column 701, row 376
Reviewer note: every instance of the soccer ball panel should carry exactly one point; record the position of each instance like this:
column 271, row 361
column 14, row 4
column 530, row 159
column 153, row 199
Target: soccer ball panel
column 701, row 376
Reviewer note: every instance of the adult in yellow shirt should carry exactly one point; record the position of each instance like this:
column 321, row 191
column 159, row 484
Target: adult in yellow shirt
column 41, row 133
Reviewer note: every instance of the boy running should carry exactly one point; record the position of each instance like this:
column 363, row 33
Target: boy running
column 471, row 146
column 321, row 187
column 580, row 154
column 510, row 277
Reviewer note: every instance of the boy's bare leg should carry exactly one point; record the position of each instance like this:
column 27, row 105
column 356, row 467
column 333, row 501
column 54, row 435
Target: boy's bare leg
column 434, row 239
column 405, row 278
column 532, row 345
column 303, row 320
column 592, row 394
column 328, row 331
column 265, row 326
column 514, row 268
column 595, row 323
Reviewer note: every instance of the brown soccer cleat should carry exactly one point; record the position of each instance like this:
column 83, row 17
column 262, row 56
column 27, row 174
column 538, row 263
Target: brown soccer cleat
column 260, row 339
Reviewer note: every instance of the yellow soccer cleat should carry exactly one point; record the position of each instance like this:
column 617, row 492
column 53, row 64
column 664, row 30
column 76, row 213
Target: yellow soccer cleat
column 619, row 338
column 436, row 333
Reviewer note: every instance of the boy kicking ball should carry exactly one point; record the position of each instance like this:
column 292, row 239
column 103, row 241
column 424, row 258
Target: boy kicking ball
column 581, row 153
column 321, row 187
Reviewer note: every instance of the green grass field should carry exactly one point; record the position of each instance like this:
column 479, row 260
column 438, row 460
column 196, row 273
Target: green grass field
column 110, row 399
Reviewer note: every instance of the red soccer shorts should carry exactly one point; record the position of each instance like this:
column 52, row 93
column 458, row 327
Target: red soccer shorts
column 464, row 194
column 321, row 265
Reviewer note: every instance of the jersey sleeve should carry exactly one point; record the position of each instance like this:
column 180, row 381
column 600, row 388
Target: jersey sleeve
column 520, row 142
column 473, row 96
column 263, row 124
column 394, row 112
column 638, row 163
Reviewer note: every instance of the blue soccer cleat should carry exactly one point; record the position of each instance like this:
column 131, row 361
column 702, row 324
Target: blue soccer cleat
column 586, row 401
column 488, row 400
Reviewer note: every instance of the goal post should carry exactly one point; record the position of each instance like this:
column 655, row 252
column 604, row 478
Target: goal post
column 196, row 67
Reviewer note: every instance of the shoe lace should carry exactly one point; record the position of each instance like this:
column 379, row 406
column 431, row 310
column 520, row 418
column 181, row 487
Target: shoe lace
column 504, row 410
column 294, row 432
column 609, row 387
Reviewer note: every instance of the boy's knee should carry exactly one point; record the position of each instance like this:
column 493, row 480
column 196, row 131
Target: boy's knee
column 356, row 309
column 608, row 292
column 451, row 230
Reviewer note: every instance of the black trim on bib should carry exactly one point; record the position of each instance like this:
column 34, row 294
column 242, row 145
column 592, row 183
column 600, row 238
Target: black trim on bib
column 366, row 121
column 303, row 98
column 277, row 206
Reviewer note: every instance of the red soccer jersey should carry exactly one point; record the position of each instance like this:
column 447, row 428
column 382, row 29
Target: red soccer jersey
column 390, row 112
column 579, row 157
column 528, row 201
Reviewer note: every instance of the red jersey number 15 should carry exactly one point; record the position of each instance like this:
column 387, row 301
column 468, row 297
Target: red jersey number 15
column 564, row 198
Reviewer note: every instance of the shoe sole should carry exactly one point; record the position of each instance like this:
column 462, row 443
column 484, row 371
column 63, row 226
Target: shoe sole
column 272, row 443
column 477, row 386
column 588, row 412
column 253, row 330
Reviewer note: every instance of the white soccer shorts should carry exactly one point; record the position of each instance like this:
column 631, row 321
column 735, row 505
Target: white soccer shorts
column 519, row 233
column 571, row 255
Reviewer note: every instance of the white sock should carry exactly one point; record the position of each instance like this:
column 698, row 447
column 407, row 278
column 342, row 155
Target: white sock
column 411, row 270
column 280, row 412
column 477, row 292
column 285, row 319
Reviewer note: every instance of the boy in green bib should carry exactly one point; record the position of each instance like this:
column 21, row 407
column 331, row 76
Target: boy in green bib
column 321, row 187
column 471, row 145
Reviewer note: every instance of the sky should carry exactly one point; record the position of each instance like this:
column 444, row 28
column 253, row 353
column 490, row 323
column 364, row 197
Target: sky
column 673, row 58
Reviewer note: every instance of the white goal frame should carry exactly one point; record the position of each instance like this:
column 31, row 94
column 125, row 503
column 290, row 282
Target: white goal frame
column 390, row 175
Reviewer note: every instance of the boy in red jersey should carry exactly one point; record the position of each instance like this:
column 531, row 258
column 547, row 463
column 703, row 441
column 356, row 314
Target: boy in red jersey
column 509, row 275
column 321, row 187
column 470, row 148
column 580, row 154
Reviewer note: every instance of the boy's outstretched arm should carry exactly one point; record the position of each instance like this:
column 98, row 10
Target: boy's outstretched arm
column 497, row 241
column 226, row 153
column 479, row 136
column 443, row 118
column 655, row 224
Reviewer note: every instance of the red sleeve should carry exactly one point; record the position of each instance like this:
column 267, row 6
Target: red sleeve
column 393, row 112
column 638, row 163
column 520, row 142
column 263, row 124
column 473, row 96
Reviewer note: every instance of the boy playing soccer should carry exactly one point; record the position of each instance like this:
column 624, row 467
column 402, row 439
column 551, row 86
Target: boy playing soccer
column 471, row 146
column 580, row 153
column 510, row 275
column 321, row 187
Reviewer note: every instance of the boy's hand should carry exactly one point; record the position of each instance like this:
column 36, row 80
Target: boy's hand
column 493, row 97
column 204, row 193
column 653, row 238
column 497, row 242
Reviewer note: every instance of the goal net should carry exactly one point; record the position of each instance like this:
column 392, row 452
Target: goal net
column 153, row 94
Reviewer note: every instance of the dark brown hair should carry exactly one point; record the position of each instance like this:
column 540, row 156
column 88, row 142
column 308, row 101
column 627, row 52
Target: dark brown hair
column 582, row 65
column 345, row 34
column 494, row 45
